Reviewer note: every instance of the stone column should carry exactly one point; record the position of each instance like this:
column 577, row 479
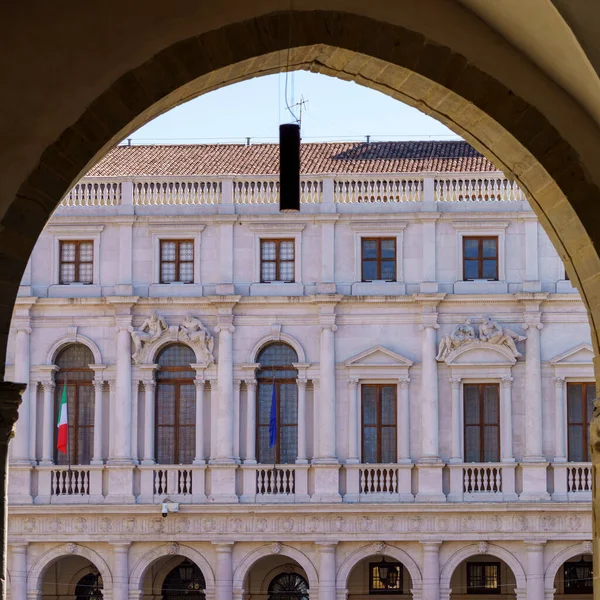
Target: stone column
column 403, row 421
column 353, row 423
column 149, row 421
column 49, row 424
column 301, row 458
column 224, row 424
column 250, row 422
column 122, row 432
column 533, row 390
column 457, row 422
column 98, row 457
column 429, row 393
column 120, row 570
column 560, row 420
column 10, row 399
column 535, row 569
column 431, row 570
column 237, row 384
column 199, row 458
column 327, row 408
column 327, row 570
column 224, row 571
column 18, row 571
column 21, row 445
column 316, row 384
column 506, row 444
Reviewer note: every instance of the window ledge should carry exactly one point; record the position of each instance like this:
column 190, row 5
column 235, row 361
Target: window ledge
column 378, row 288
column 162, row 290
column 276, row 289
column 74, row 290
column 481, row 286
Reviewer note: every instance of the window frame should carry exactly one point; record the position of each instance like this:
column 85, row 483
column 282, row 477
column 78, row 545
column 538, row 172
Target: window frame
column 482, row 426
column 585, row 425
column 399, row 590
column 378, row 426
column 480, row 239
column 278, row 260
column 379, row 260
column 484, row 591
column 177, row 260
column 77, row 262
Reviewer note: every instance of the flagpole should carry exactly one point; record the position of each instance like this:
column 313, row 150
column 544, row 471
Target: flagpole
column 276, row 438
column 69, row 476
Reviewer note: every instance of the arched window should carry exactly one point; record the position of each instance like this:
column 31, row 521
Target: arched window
column 184, row 582
column 75, row 373
column 175, row 406
column 276, row 369
column 89, row 587
column 288, row 586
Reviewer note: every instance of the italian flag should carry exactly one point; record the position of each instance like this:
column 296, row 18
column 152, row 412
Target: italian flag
column 62, row 424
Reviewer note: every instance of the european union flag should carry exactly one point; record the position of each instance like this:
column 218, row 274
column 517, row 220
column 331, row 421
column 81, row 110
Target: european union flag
column 273, row 419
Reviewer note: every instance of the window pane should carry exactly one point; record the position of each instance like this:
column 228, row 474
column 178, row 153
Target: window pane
column 388, row 444
column 472, row 444
column 165, row 406
column 186, row 251
column 286, row 271
column 167, row 272
column 186, row 272
column 471, row 269
column 490, row 246
column 388, row 248
column 489, row 269
column 369, row 393
column 591, row 396
column 86, row 251
column 85, row 445
column 369, row 444
column 165, row 445
column 288, row 444
column 85, row 273
column 279, row 355
column 576, row 443
column 85, row 404
column 388, row 405
column 369, row 270
column 265, row 391
column 265, row 454
column 268, row 271
column 67, row 273
column 388, row 270
column 491, row 446
column 491, row 408
column 369, row 248
column 288, row 403
column 286, row 250
column 471, row 400
column 268, row 250
column 177, row 355
column 187, row 445
column 168, row 251
column 187, row 405
column 67, row 251
column 574, row 403
column 471, row 248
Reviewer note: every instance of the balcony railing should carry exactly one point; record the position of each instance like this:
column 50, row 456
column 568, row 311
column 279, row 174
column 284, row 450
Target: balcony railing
column 378, row 483
column 478, row 482
column 572, row 481
column 178, row 483
column 283, row 483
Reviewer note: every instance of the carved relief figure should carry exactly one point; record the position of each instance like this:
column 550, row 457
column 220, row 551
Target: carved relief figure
column 195, row 333
column 463, row 333
column 491, row 332
column 150, row 330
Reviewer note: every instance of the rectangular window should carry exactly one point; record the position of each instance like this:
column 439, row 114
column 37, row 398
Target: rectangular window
column 277, row 259
column 389, row 582
column 482, row 422
column 379, row 423
column 578, row 577
column 378, row 259
column 76, row 262
column 483, row 578
column 580, row 405
column 480, row 258
column 177, row 261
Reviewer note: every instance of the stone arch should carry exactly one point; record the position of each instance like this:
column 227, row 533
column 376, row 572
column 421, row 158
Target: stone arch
column 366, row 551
column 503, row 356
column 472, row 550
column 139, row 570
column 239, row 576
column 274, row 338
column 268, row 578
column 36, row 573
column 562, row 557
column 169, row 337
column 73, row 338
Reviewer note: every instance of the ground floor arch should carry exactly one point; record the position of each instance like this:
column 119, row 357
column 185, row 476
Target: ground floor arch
column 570, row 574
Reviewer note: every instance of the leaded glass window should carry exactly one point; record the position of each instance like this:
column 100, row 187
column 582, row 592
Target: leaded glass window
column 482, row 422
column 177, row 261
column 288, row 586
column 184, row 582
column 379, row 429
column 277, row 259
column 76, row 262
column 580, row 405
column 483, row 578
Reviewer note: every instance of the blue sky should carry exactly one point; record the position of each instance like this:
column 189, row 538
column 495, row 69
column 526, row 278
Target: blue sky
column 335, row 110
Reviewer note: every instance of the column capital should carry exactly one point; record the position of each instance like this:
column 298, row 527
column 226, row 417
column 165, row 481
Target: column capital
column 225, row 328
column 120, row 546
column 20, row 547
column 429, row 320
column 149, row 384
column 506, row 381
column 404, row 382
column 223, row 547
column 533, row 325
column 250, row 382
column 316, row 382
column 237, row 383
column 558, row 381
column 10, row 399
column 431, row 545
column 326, row 546
column 301, row 383
column 535, row 545
column 98, row 384
column 353, row 383
column 48, row 384
column 200, row 382
column 455, row 382
column 23, row 329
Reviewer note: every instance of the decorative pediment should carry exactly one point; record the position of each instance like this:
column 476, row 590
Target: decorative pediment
column 378, row 356
column 582, row 354
column 478, row 353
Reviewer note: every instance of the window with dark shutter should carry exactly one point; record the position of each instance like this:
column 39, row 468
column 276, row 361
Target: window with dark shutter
column 378, row 259
column 175, row 406
column 580, row 405
column 482, row 422
column 75, row 373
column 76, row 262
column 177, row 261
column 480, row 258
column 483, row 578
column 379, row 430
column 277, row 370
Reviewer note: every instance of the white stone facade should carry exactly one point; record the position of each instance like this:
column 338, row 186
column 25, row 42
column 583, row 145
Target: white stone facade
column 429, row 510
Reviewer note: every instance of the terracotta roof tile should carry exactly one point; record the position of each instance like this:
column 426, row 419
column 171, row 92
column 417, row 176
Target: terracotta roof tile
column 316, row 158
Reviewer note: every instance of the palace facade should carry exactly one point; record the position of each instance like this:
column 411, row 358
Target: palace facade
column 412, row 332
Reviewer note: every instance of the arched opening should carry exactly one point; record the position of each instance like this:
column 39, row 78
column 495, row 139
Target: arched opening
column 175, row 406
column 77, row 379
column 277, row 398
column 379, row 575
column 72, row 578
column 483, row 576
column 277, row 577
column 574, row 579
column 173, row 577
